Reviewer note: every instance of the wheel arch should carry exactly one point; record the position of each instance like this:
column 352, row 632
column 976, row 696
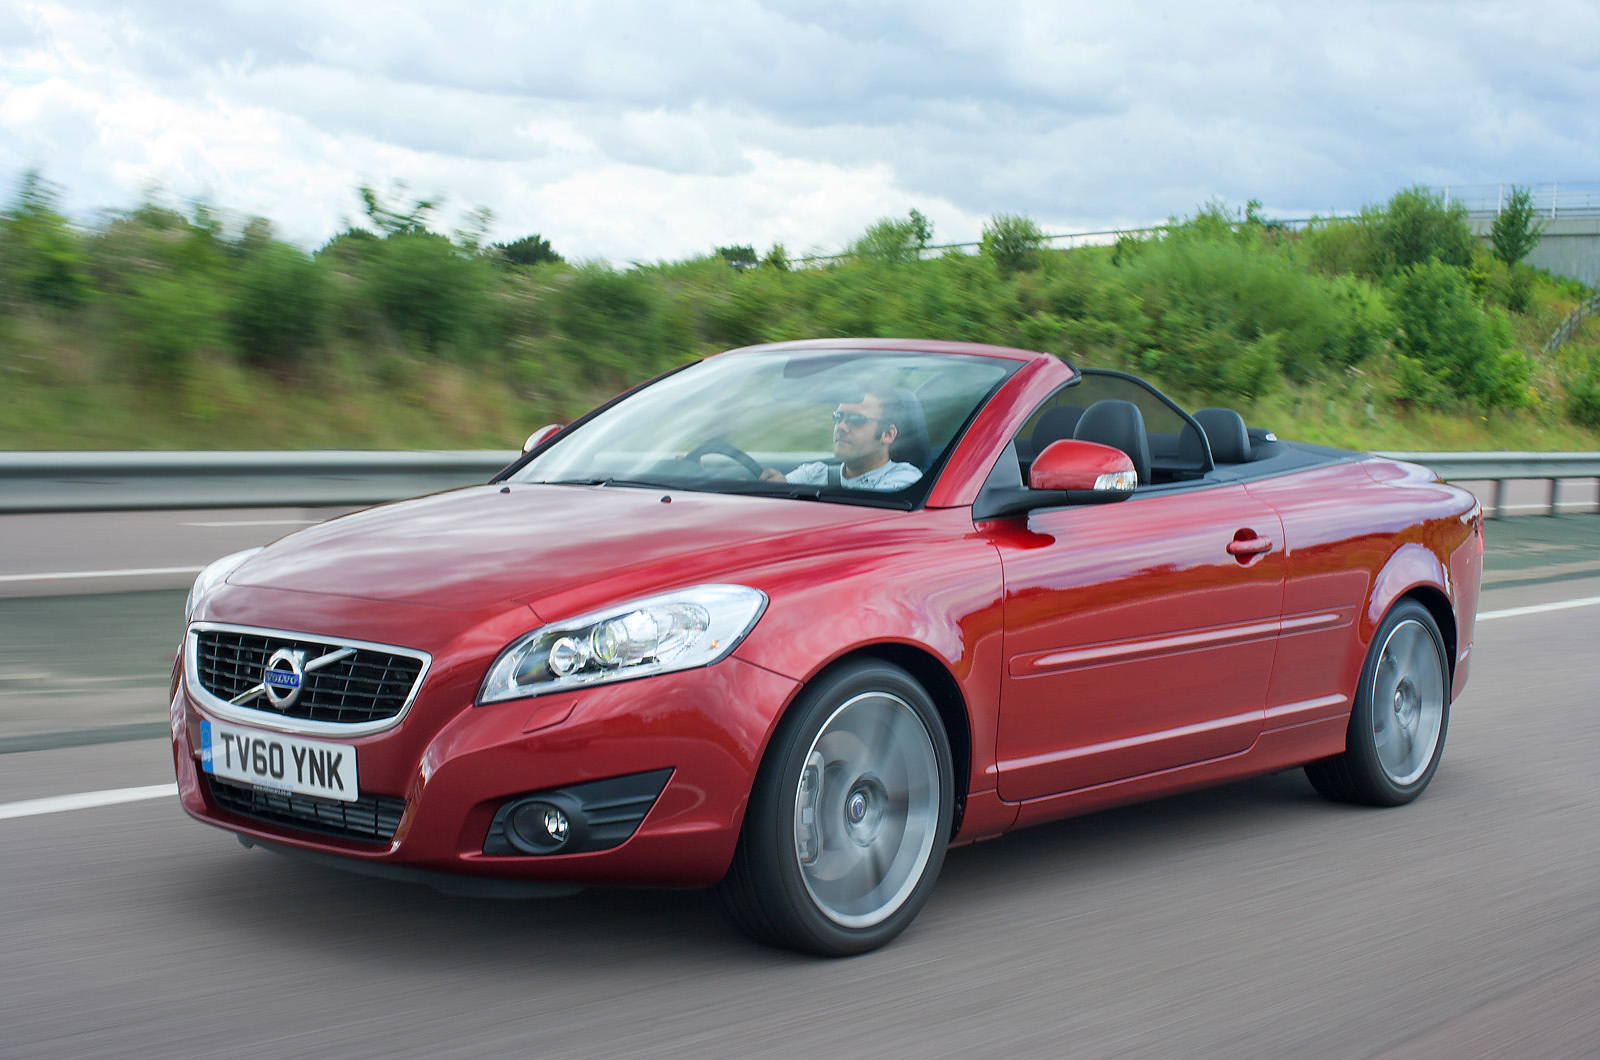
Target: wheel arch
column 1438, row 605
column 1413, row 572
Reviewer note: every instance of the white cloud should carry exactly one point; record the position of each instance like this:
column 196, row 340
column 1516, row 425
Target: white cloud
column 637, row 130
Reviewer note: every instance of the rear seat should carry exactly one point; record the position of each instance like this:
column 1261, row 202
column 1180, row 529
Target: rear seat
column 1226, row 432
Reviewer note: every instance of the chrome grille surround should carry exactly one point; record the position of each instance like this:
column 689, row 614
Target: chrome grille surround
column 219, row 707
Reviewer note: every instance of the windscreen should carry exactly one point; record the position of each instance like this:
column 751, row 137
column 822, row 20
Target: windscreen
column 853, row 426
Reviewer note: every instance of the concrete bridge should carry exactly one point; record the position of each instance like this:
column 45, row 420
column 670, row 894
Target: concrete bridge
column 1571, row 215
column 1570, row 247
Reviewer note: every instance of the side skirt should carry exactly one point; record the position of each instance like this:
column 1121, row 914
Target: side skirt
column 1274, row 750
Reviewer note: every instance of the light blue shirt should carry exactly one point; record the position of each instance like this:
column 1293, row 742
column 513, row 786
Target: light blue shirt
column 894, row 475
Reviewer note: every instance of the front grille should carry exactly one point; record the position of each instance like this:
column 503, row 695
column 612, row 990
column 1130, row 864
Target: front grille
column 371, row 817
column 371, row 685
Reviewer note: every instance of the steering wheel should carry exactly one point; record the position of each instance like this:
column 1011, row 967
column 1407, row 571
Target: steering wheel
column 725, row 448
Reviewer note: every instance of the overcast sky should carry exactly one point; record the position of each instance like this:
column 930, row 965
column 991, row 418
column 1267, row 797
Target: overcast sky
column 638, row 131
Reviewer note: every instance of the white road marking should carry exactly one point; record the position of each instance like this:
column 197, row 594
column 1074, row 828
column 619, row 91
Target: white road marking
column 1534, row 609
column 85, row 800
column 260, row 522
column 131, row 572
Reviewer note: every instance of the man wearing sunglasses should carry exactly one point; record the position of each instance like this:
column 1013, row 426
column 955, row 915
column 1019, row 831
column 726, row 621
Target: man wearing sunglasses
column 863, row 431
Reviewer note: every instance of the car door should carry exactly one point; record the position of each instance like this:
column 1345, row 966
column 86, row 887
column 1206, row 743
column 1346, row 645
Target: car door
column 1139, row 636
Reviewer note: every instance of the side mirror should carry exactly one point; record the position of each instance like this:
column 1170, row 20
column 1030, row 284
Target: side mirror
column 540, row 436
column 1071, row 464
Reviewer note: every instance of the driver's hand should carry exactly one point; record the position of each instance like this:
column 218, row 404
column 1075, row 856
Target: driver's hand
column 772, row 474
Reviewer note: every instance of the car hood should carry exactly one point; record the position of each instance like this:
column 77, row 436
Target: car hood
column 484, row 546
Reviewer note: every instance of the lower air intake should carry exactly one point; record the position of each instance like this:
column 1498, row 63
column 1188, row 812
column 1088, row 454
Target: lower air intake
column 372, row 818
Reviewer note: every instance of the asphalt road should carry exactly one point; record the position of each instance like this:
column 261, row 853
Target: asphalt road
column 1250, row 920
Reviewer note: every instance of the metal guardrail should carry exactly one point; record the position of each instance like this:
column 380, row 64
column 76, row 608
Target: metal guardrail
column 132, row 481
column 1501, row 468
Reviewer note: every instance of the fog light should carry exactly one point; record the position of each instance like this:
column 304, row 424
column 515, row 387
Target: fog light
column 541, row 827
column 555, row 825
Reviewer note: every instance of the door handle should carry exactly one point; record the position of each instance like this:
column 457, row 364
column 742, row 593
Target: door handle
column 1249, row 546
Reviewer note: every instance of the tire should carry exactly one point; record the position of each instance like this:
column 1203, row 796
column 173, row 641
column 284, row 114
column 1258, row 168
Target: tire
column 849, row 816
column 1401, row 714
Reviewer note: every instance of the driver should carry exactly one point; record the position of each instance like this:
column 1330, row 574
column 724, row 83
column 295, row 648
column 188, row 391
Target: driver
column 863, row 431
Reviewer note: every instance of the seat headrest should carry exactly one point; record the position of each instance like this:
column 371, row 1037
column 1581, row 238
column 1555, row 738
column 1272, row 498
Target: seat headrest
column 911, row 444
column 1120, row 425
column 1225, row 430
column 1056, row 423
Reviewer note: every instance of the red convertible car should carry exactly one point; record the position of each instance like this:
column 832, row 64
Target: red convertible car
column 793, row 619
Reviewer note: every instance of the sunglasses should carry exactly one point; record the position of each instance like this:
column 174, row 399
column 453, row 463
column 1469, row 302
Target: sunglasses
column 853, row 420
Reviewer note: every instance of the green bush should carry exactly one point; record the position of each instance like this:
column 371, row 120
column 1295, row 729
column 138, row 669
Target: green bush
column 1519, row 289
column 1012, row 242
column 429, row 289
column 1459, row 344
column 894, row 241
column 529, row 250
column 1413, row 227
column 1416, row 226
column 276, row 311
column 1340, row 245
column 1579, row 373
column 166, row 319
column 740, row 256
column 612, row 324
column 1227, row 317
column 41, row 257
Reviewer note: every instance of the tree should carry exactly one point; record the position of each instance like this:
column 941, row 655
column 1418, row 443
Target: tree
column 1013, row 242
column 529, row 250
column 1416, row 225
column 39, row 252
column 390, row 220
column 893, row 240
column 921, row 229
column 1515, row 231
column 740, row 256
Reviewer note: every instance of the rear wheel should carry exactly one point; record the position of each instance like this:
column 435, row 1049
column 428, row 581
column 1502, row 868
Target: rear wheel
column 849, row 816
column 1401, row 713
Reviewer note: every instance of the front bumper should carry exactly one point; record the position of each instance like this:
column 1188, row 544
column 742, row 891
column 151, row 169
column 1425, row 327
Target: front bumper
column 453, row 765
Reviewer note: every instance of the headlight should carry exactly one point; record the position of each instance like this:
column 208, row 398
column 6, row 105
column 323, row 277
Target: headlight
column 213, row 576
column 658, row 634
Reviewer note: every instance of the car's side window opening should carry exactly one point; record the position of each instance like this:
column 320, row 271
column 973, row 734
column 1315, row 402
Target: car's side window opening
column 1174, row 447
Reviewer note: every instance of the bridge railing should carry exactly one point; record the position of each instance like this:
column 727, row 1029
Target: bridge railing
column 1550, row 201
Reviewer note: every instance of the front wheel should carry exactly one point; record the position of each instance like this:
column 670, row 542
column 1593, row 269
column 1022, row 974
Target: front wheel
column 849, row 817
column 1398, row 722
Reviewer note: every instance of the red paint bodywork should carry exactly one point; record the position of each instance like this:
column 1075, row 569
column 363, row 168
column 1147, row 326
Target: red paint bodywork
column 1081, row 656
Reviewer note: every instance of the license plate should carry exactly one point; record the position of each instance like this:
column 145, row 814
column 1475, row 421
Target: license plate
column 279, row 763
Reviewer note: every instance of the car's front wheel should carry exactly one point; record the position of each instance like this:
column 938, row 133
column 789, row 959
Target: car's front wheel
column 849, row 816
column 1401, row 713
